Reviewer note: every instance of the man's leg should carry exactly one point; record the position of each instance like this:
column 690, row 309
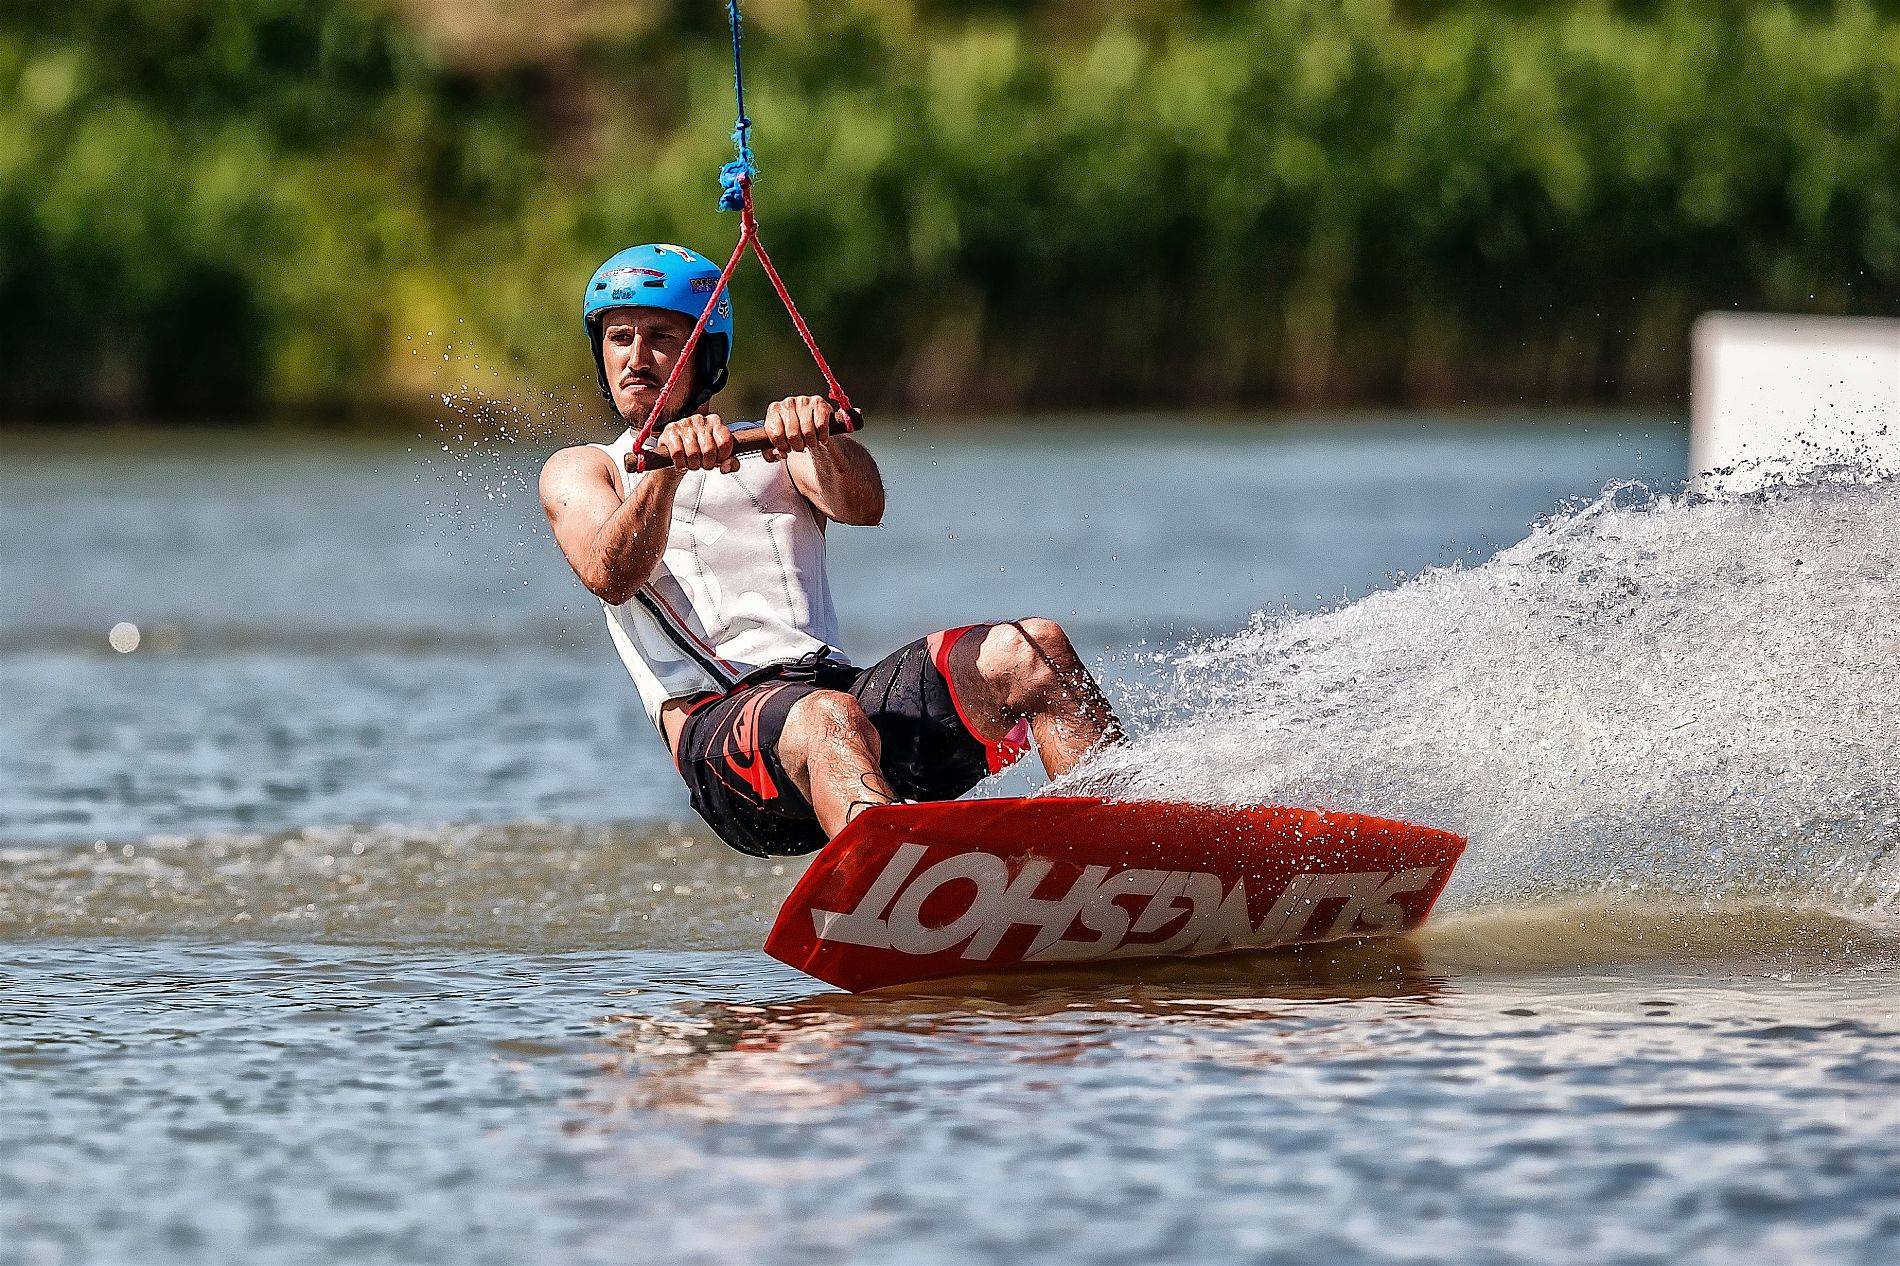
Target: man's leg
column 1027, row 670
column 832, row 752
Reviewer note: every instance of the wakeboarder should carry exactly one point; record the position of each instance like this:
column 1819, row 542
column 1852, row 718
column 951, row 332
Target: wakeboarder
column 711, row 572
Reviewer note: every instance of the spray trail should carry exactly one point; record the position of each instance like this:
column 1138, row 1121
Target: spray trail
column 1691, row 694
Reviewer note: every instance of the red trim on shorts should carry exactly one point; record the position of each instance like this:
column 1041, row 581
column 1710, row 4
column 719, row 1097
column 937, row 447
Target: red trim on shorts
column 1006, row 751
column 699, row 701
column 739, row 745
column 693, row 704
column 742, row 751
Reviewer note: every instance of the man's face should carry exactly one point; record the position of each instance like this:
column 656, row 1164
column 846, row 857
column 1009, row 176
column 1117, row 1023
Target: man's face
column 639, row 347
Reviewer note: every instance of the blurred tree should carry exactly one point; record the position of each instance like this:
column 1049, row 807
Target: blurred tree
column 226, row 206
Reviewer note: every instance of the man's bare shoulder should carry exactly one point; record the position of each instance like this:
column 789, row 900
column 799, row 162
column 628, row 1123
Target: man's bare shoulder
column 577, row 466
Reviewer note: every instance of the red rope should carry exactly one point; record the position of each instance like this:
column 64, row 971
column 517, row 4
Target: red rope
column 685, row 357
column 838, row 397
column 748, row 236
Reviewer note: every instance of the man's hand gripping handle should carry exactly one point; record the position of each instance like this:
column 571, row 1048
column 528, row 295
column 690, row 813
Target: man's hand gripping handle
column 748, row 438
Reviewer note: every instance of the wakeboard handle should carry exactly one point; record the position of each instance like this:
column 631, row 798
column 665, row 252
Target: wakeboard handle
column 747, row 438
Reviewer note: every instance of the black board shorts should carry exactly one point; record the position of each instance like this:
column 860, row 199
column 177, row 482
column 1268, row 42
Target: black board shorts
column 728, row 748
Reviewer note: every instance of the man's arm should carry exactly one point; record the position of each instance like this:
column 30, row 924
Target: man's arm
column 612, row 545
column 836, row 473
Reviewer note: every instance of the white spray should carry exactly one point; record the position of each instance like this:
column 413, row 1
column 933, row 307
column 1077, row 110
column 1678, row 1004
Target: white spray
column 1693, row 694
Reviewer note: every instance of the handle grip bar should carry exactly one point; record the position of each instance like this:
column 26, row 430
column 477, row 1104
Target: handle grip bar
column 747, row 438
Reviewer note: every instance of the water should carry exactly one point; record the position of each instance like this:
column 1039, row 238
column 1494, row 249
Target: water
column 1686, row 696
column 356, row 914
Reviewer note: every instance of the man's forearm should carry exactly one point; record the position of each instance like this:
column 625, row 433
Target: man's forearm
column 630, row 544
column 845, row 482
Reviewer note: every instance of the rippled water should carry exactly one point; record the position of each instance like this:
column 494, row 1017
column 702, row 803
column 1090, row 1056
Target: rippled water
column 356, row 914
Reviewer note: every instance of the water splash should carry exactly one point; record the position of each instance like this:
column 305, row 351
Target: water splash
column 532, row 886
column 1689, row 694
column 482, row 461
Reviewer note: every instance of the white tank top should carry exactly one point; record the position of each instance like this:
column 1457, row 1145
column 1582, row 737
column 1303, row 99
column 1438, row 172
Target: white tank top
column 741, row 585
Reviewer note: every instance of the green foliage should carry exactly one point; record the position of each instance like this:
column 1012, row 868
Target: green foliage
column 219, row 205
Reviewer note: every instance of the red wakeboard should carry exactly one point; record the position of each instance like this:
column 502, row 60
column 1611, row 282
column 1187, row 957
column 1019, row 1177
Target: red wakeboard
column 917, row 891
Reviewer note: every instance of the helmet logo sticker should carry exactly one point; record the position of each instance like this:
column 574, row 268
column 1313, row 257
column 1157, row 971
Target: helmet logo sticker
column 666, row 248
column 704, row 285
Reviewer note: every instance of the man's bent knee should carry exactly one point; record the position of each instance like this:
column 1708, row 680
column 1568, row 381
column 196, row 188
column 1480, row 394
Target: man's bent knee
column 827, row 725
column 1023, row 661
column 1048, row 638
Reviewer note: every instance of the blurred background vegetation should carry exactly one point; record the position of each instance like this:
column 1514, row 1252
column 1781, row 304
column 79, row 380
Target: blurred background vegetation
column 242, row 208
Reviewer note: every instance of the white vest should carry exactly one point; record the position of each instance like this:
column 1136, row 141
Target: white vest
column 741, row 585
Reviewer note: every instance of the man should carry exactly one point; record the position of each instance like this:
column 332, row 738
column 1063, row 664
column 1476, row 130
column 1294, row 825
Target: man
column 712, row 574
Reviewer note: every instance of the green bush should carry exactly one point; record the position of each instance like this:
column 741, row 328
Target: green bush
column 244, row 204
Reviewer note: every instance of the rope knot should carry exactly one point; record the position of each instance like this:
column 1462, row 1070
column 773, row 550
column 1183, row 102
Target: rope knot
column 737, row 174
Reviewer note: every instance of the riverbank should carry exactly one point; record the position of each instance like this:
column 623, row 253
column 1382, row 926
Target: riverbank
column 497, row 424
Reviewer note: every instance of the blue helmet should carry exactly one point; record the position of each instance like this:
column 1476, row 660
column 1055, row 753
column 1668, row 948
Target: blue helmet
column 659, row 275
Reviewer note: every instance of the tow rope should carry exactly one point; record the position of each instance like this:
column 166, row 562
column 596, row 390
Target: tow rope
column 735, row 185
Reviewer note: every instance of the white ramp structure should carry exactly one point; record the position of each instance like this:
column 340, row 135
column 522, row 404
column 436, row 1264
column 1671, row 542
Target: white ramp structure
column 1774, row 395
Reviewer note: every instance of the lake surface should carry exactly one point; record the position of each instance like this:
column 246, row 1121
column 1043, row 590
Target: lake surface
column 356, row 914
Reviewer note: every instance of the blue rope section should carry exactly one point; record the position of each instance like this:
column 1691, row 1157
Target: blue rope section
column 733, row 175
